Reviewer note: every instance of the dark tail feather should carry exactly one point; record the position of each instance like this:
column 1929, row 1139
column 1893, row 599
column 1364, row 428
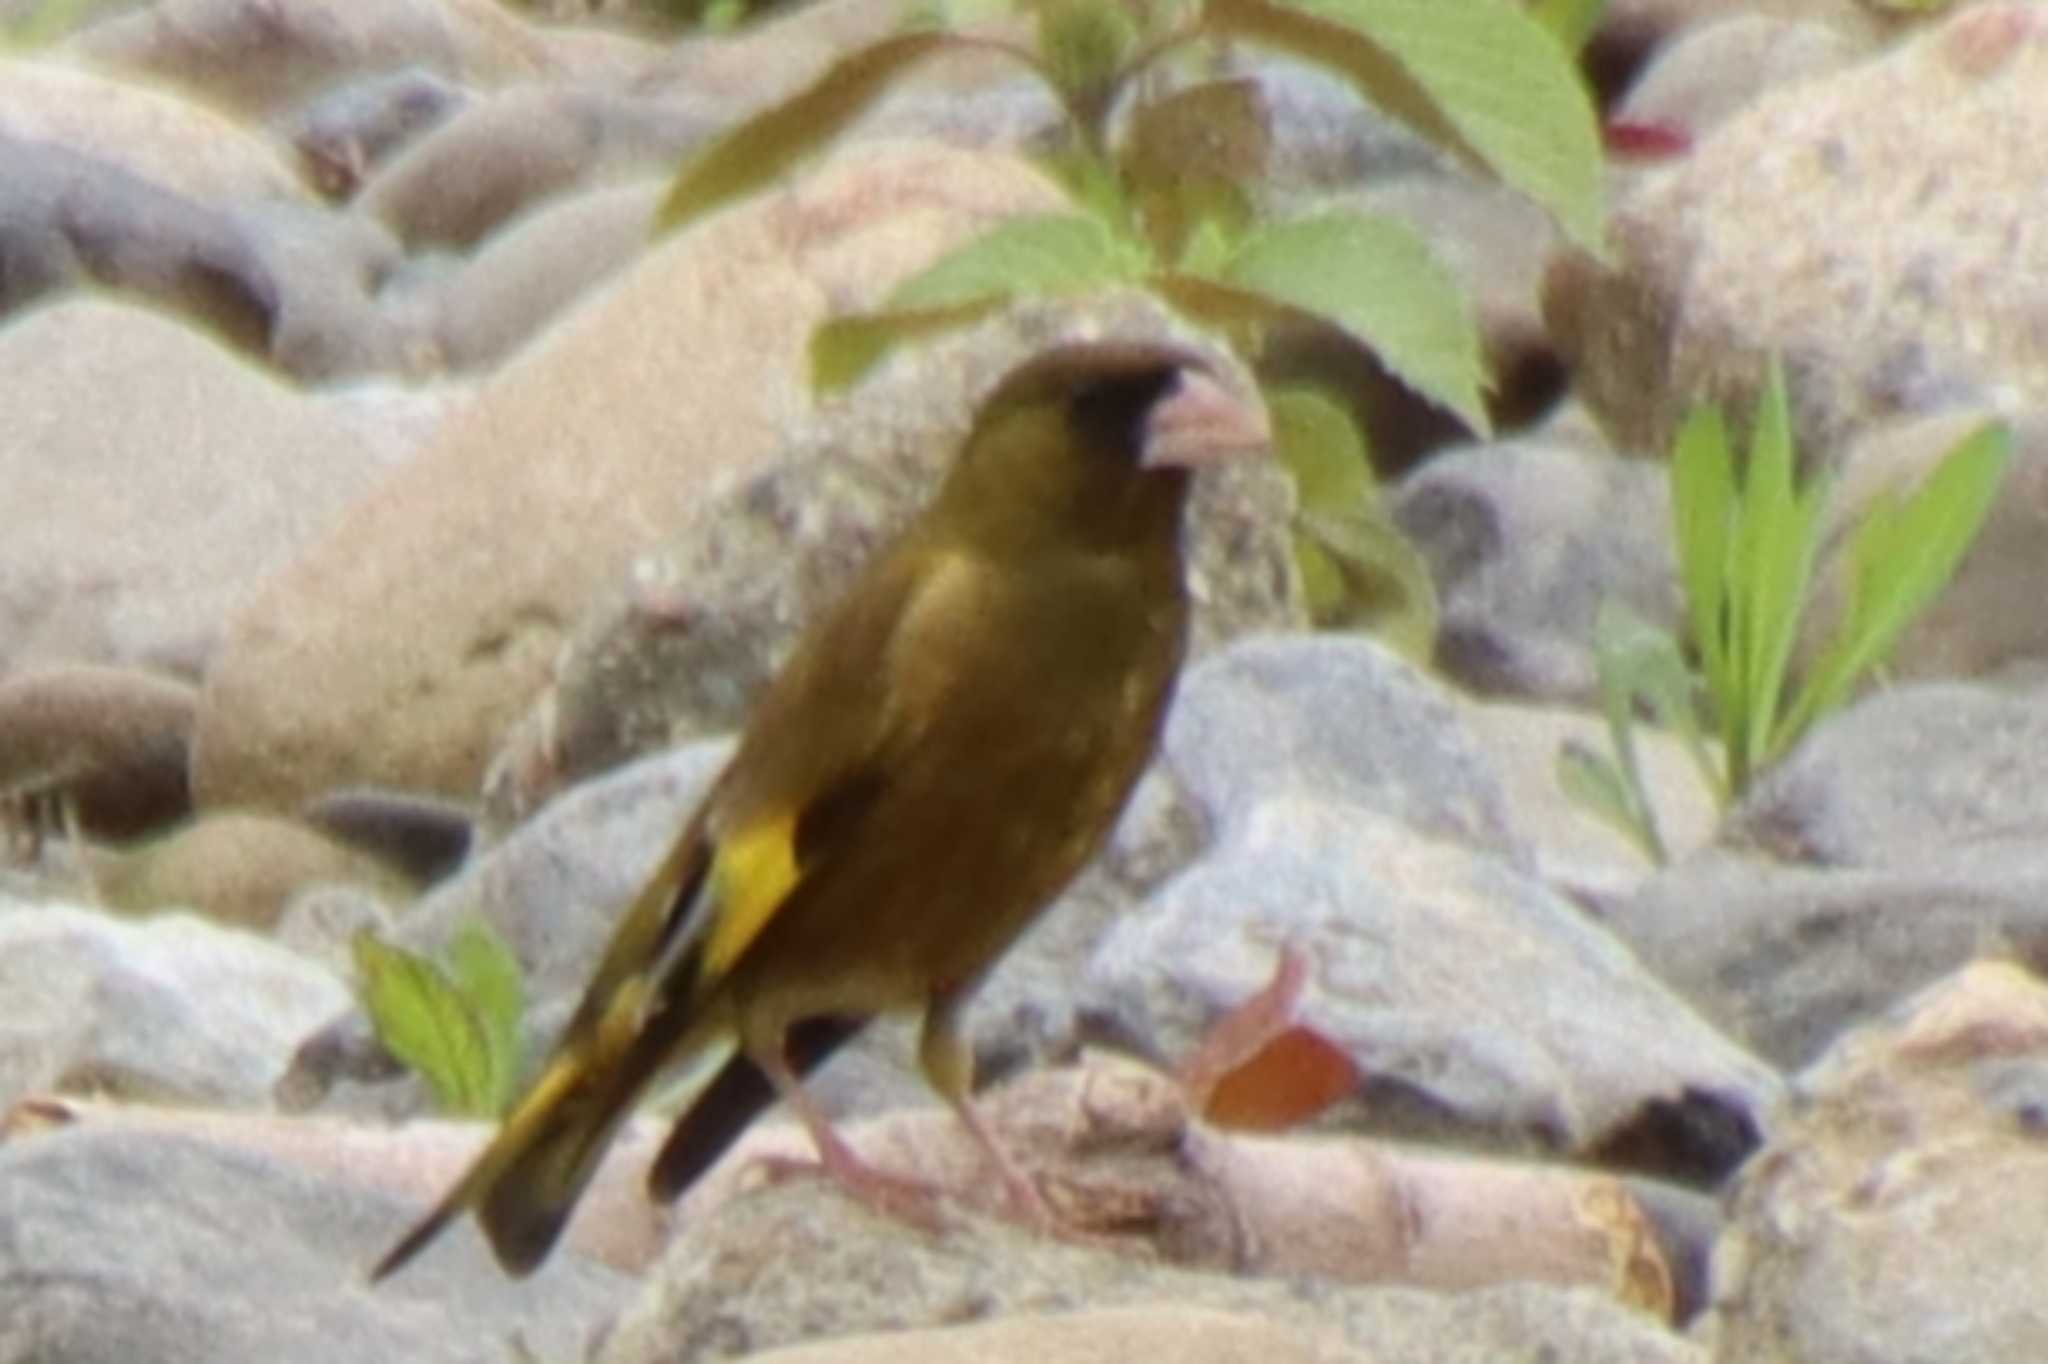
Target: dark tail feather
column 725, row 1107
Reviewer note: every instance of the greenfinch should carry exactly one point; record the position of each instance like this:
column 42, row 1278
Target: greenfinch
column 942, row 753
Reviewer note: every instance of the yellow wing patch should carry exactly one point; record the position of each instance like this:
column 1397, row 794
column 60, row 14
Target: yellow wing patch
column 752, row 873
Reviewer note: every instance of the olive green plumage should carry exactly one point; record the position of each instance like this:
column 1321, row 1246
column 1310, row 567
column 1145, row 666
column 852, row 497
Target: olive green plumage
column 943, row 752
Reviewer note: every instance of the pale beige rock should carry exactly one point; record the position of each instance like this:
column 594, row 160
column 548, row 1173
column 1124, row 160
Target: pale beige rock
column 1109, row 1336
column 1896, row 1213
column 175, row 143
column 1874, row 227
column 236, row 868
column 400, row 649
column 151, row 479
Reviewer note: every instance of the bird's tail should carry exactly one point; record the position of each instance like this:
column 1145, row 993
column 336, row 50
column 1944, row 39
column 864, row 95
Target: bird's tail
column 525, row 1184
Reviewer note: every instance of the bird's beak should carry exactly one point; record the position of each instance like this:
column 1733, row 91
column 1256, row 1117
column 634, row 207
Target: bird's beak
column 1203, row 422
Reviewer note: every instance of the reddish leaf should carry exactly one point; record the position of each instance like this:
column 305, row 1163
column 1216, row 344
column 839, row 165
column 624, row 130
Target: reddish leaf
column 1646, row 141
column 1293, row 1077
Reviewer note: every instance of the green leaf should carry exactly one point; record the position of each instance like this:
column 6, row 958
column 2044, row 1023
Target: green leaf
column 1703, row 519
column 1358, row 570
column 1593, row 784
column 766, row 146
column 1320, row 445
column 1083, row 45
column 1477, row 77
column 1571, row 22
column 423, row 1019
column 1374, row 277
column 1375, row 579
column 1903, row 554
column 1776, row 543
column 1026, row 257
column 488, row 976
column 1094, row 185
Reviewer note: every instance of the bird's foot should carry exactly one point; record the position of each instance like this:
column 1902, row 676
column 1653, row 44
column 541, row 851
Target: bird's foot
column 900, row 1198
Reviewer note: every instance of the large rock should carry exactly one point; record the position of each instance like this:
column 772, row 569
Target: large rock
column 1896, row 1215
column 172, row 1008
column 794, row 1264
column 130, row 1244
column 1742, row 248
column 399, row 650
column 1358, row 819
column 186, row 476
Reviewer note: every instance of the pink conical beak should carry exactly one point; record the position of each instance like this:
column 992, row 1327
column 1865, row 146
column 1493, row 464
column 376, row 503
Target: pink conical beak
column 1204, row 422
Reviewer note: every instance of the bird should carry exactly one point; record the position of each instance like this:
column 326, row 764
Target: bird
column 943, row 751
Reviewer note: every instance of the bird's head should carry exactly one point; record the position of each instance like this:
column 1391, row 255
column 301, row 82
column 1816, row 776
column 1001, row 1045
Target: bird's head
column 1097, row 439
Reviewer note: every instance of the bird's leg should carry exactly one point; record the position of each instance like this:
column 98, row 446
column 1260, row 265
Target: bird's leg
column 907, row 1200
column 948, row 1064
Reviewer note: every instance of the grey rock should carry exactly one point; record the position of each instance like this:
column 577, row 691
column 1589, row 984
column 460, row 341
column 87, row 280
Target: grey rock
column 509, row 152
column 1525, row 540
column 1786, row 957
column 1903, row 774
column 1357, row 817
column 1333, row 720
column 131, row 1245
column 68, row 221
column 521, row 277
column 256, row 58
column 555, row 886
column 343, row 133
column 170, row 504
column 328, row 267
column 172, row 1008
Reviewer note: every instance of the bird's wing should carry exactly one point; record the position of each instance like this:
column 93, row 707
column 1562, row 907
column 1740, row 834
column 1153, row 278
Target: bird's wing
column 819, row 753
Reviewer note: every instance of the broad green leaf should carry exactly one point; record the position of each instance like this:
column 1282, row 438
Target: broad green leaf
column 1022, row 257
column 1094, row 185
column 1374, row 277
column 1322, row 448
column 768, row 145
column 422, row 1019
column 1593, row 784
column 1358, row 570
column 1703, row 516
column 1902, row 556
column 1025, row 257
column 1477, row 77
column 1242, row 315
column 1381, row 582
column 485, row 971
column 1083, row 45
column 1209, row 249
column 1571, row 22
